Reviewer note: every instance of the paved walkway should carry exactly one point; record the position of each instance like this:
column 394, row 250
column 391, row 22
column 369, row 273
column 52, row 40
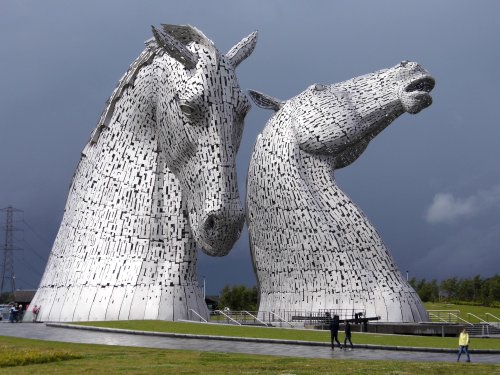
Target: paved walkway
column 43, row 332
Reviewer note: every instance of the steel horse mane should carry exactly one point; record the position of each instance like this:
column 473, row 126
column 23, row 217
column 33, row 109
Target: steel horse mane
column 312, row 248
column 156, row 179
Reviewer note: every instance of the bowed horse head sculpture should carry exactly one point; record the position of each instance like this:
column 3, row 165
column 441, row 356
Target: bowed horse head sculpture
column 312, row 247
column 156, row 180
column 200, row 113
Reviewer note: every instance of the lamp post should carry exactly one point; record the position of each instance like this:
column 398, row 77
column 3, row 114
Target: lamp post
column 204, row 288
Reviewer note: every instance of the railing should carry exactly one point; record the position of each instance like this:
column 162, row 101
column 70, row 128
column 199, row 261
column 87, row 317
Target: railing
column 198, row 315
column 477, row 317
column 220, row 312
column 276, row 317
column 446, row 316
column 286, row 318
column 485, row 329
column 463, row 320
column 255, row 318
column 496, row 324
column 437, row 317
column 280, row 319
column 493, row 316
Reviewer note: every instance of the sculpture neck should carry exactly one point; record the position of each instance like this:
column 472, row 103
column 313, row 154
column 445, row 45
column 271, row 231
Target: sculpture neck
column 317, row 171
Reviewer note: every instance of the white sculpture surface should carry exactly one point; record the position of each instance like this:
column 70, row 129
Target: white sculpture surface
column 312, row 248
column 156, row 179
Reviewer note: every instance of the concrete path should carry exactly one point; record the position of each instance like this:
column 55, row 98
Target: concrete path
column 43, row 332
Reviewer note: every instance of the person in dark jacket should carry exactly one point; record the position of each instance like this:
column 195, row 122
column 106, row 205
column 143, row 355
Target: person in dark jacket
column 334, row 331
column 348, row 334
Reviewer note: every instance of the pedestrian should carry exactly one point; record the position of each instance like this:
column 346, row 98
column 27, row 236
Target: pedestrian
column 20, row 312
column 334, row 331
column 36, row 310
column 347, row 334
column 13, row 313
column 463, row 342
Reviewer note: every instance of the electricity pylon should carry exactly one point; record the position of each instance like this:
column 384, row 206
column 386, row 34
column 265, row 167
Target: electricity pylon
column 7, row 268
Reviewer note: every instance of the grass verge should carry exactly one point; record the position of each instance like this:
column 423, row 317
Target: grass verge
column 102, row 359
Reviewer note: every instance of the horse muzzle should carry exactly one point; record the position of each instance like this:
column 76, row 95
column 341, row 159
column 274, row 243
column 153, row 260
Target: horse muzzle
column 415, row 95
column 220, row 229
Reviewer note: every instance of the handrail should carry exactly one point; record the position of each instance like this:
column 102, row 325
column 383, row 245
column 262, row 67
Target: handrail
column 198, row 315
column 280, row 318
column 440, row 313
column 478, row 318
column 493, row 316
column 227, row 316
column 449, row 314
column 253, row 316
column 463, row 320
column 437, row 317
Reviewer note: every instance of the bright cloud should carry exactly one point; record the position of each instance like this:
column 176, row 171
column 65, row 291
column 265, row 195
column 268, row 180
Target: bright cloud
column 446, row 207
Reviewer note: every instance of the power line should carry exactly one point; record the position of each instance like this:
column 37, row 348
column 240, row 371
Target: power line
column 30, row 266
column 26, row 259
column 32, row 248
column 47, row 242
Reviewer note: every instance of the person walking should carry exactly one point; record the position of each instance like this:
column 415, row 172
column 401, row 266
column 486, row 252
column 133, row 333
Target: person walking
column 463, row 342
column 347, row 334
column 334, row 331
column 13, row 313
column 36, row 310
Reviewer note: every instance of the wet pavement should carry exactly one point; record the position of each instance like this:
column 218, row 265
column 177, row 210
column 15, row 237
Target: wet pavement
column 43, row 332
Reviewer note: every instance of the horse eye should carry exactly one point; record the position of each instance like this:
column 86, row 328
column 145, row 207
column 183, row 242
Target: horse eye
column 187, row 110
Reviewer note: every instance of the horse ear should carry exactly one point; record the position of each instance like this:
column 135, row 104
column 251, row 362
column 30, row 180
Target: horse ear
column 175, row 48
column 242, row 50
column 266, row 101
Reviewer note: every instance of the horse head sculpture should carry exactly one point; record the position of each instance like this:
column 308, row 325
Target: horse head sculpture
column 342, row 118
column 156, row 180
column 200, row 116
column 312, row 248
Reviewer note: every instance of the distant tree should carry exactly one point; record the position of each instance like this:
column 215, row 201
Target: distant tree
column 239, row 297
column 490, row 291
column 466, row 290
column 414, row 284
column 449, row 288
column 475, row 290
column 429, row 291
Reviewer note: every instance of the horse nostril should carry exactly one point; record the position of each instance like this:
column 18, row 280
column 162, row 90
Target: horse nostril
column 210, row 223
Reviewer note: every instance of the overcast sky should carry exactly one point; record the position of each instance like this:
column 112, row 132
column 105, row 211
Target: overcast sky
column 430, row 183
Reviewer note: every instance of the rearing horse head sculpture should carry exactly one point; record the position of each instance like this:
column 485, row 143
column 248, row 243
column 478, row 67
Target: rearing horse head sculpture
column 200, row 116
column 312, row 247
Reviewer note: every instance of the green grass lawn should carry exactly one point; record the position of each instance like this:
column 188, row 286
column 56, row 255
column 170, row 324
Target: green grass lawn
column 479, row 311
column 292, row 334
column 26, row 356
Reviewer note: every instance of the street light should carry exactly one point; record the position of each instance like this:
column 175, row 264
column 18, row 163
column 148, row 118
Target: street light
column 204, row 288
